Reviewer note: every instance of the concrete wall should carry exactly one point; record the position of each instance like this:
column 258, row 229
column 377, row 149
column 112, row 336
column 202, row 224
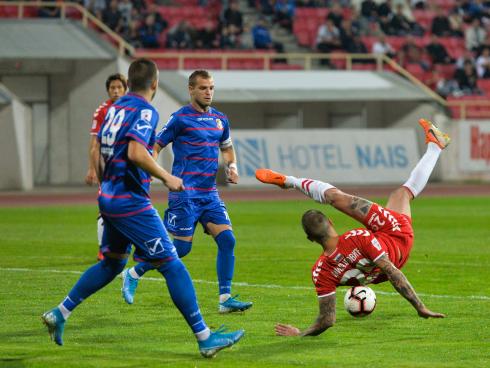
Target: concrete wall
column 15, row 140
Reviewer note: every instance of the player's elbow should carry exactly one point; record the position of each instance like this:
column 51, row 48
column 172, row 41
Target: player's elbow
column 334, row 196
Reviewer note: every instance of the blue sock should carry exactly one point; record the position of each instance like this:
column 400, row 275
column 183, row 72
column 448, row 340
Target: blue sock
column 183, row 247
column 143, row 267
column 182, row 292
column 92, row 280
column 225, row 262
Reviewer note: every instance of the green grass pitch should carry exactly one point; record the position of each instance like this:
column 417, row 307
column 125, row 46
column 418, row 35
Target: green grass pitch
column 43, row 250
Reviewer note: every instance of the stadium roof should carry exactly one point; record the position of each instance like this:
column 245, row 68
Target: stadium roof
column 50, row 39
column 298, row 86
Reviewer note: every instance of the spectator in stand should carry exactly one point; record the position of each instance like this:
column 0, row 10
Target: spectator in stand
column 369, row 10
column 233, row 15
column 262, row 37
column 284, row 13
column 381, row 46
column 477, row 9
column 328, row 37
column 400, row 24
column 139, row 5
column 180, row 36
column 385, row 26
column 467, row 79
column 336, row 15
column 112, row 17
column 266, row 8
column 467, row 56
column 440, row 24
column 462, row 7
column 456, row 25
column 475, row 35
column 483, row 64
column 160, row 22
column 410, row 53
column 125, row 7
column 95, row 6
column 246, row 38
column 150, row 33
column 385, row 9
column 132, row 34
column 437, row 52
column 207, row 38
column 230, row 37
column 418, row 4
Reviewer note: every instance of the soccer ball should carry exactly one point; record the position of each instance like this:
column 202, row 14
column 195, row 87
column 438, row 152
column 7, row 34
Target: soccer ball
column 360, row 301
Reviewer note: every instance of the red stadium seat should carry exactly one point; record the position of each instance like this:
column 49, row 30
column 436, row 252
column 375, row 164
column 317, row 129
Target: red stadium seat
column 484, row 85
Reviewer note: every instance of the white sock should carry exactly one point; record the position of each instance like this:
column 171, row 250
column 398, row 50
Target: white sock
column 224, row 297
column 312, row 188
column 421, row 172
column 133, row 274
column 203, row 335
column 65, row 312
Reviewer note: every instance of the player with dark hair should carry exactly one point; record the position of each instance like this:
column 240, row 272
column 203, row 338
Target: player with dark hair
column 367, row 255
column 126, row 142
column 116, row 86
column 198, row 132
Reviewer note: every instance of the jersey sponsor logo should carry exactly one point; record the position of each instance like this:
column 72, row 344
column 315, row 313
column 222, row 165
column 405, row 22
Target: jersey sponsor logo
column 219, row 124
column 146, row 115
column 154, row 246
column 316, row 271
column 349, row 259
column 205, row 119
column 171, row 219
column 185, row 228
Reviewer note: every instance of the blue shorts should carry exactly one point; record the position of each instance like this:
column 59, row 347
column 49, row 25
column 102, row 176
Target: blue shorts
column 145, row 230
column 182, row 215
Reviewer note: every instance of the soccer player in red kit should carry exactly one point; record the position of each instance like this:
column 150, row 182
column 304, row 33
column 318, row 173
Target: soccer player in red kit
column 361, row 256
column 116, row 86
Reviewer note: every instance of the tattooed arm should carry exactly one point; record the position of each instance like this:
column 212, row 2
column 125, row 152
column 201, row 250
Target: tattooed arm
column 401, row 284
column 325, row 319
column 355, row 207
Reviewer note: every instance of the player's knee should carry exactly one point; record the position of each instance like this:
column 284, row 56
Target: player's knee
column 115, row 265
column 174, row 266
column 226, row 241
column 183, row 247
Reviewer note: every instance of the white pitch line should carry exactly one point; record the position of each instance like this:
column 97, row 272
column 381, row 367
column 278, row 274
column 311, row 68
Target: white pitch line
column 246, row 284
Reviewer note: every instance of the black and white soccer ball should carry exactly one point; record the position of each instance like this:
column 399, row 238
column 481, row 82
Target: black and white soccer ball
column 360, row 301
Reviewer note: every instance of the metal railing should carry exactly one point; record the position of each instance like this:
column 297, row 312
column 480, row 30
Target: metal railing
column 308, row 61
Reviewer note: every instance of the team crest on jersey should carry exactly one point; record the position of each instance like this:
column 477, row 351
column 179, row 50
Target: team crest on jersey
column 219, row 123
column 146, row 115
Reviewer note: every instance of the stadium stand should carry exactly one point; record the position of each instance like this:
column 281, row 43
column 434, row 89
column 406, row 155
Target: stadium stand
column 173, row 32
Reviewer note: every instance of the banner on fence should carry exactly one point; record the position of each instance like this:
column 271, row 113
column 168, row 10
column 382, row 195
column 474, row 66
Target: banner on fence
column 474, row 146
column 339, row 156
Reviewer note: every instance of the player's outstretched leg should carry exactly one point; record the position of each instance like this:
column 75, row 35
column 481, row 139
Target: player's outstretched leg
column 92, row 280
column 130, row 279
column 100, row 231
column 182, row 292
column 399, row 200
column 314, row 189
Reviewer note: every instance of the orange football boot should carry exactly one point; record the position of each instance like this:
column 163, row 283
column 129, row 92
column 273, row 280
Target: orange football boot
column 268, row 176
column 434, row 135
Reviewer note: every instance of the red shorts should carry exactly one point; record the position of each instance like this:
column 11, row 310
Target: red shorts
column 394, row 230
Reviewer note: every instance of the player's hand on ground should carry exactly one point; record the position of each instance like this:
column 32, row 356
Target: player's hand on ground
column 231, row 175
column 174, row 184
column 286, row 330
column 91, row 177
column 426, row 313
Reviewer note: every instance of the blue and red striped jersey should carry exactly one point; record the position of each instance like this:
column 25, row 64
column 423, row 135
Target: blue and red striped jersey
column 129, row 118
column 196, row 139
